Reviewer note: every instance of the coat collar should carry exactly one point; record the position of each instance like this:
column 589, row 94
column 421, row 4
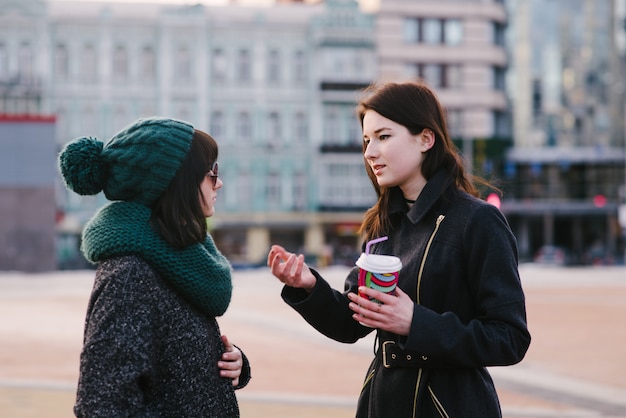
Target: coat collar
column 432, row 191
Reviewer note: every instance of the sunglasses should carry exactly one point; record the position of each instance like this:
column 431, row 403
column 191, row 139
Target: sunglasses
column 213, row 173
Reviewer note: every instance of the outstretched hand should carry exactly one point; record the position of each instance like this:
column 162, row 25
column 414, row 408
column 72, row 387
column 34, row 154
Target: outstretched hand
column 290, row 268
column 232, row 361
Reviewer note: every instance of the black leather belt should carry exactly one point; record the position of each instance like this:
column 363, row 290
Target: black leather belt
column 394, row 356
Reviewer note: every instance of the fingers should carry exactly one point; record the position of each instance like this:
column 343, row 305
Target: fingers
column 277, row 253
column 371, row 313
column 231, row 363
column 227, row 345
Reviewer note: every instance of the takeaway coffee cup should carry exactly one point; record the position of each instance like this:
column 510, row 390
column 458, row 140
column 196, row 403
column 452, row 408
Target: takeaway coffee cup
column 379, row 272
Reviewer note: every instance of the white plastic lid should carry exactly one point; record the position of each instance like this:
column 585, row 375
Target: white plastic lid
column 379, row 263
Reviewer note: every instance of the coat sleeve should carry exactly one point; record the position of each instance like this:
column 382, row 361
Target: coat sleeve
column 490, row 329
column 246, row 373
column 326, row 309
column 118, row 332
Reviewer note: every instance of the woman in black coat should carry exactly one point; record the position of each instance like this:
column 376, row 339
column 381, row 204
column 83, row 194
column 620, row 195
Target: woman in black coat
column 459, row 306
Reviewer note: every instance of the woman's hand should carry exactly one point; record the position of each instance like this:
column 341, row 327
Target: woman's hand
column 394, row 314
column 231, row 363
column 290, row 269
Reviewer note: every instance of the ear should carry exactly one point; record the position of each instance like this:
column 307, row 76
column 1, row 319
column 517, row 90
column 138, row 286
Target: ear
column 428, row 139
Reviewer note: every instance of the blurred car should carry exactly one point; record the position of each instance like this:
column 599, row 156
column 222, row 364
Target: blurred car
column 551, row 254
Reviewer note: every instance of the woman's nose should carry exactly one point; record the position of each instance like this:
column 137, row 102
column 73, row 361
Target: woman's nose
column 370, row 151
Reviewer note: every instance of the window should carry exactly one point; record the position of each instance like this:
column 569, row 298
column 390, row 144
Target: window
column 147, row 65
column 120, row 63
column 244, row 70
column 272, row 191
column 299, row 67
column 219, row 65
column 344, row 184
column 274, row 131
column 432, row 31
column 244, row 188
column 355, row 133
column 499, row 31
column 183, row 65
column 61, row 62
column 449, row 76
column 499, row 78
column 244, row 126
column 501, row 127
column 331, row 126
column 300, row 128
column 453, row 32
column 25, row 61
column 455, row 122
column 273, row 66
column 411, row 30
column 432, row 75
column 217, row 124
column 89, row 63
column 299, row 191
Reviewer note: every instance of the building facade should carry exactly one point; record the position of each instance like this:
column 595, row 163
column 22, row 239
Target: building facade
column 276, row 86
column 269, row 83
column 565, row 177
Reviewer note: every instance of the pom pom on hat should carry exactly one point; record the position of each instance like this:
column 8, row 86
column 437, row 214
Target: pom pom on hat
column 81, row 166
column 136, row 165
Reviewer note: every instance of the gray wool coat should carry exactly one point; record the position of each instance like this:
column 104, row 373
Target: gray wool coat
column 149, row 353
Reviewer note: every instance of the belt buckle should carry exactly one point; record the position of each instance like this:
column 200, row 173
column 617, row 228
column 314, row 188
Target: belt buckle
column 392, row 356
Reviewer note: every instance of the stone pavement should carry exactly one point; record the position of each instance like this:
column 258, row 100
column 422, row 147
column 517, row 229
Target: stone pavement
column 576, row 365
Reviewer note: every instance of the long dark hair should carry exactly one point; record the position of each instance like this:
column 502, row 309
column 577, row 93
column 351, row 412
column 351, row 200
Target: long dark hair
column 416, row 107
column 178, row 215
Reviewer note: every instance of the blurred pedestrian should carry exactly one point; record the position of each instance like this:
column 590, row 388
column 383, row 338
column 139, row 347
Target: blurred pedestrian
column 459, row 306
column 152, row 345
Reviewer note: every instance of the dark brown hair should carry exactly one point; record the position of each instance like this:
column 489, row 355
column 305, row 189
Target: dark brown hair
column 178, row 215
column 416, row 107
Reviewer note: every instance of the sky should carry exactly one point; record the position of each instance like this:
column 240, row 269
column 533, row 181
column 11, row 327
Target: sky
column 367, row 5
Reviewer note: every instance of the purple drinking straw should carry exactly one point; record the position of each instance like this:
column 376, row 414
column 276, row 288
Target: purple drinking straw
column 374, row 241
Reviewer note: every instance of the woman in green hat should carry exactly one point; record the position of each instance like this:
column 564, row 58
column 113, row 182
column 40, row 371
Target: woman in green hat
column 152, row 345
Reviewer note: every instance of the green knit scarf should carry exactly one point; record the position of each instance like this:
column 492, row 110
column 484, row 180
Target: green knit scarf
column 200, row 273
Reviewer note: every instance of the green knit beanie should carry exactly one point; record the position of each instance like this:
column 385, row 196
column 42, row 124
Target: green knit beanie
column 136, row 165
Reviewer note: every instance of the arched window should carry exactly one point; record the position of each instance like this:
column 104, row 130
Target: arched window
column 244, row 70
column 120, row 63
column 219, row 65
column 89, row 64
column 25, row 61
column 61, row 62
column 274, row 129
column 147, row 64
column 273, row 66
column 300, row 128
column 299, row 67
column 183, row 65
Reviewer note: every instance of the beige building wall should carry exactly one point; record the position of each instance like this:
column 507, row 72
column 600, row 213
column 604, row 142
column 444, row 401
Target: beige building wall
column 474, row 99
